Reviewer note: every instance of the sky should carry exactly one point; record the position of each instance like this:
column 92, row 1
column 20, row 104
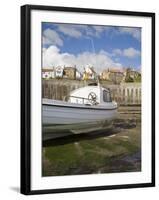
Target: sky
column 99, row 46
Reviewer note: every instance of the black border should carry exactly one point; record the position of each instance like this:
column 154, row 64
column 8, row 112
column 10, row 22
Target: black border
column 25, row 187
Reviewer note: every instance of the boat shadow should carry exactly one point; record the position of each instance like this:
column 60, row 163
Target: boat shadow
column 72, row 138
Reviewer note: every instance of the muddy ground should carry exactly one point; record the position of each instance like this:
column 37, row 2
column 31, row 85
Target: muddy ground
column 116, row 150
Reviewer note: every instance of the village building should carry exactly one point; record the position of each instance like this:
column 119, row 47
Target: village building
column 113, row 74
column 59, row 72
column 69, row 73
column 89, row 73
column 104, row 75
column 78, row 75
column 132, row 75
column 72, row 73
column 48, row 73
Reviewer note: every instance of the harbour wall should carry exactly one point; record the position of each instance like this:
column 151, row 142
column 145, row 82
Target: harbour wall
column 123, row 94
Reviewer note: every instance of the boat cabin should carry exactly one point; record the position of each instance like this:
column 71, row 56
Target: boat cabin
column 90, row 95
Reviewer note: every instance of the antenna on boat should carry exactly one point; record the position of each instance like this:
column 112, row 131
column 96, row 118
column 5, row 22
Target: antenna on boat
column 93, row 50
column 92, row 42
column 98, row 81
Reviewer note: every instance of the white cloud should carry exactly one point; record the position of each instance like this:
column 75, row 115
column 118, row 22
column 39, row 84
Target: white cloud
column 51, row 37
column 69, row 30
column 99, row 29
column 134, row 32
column 117, row 52
column 100, row 61
column 129, row 52
column 96, row 31
column 77, row 30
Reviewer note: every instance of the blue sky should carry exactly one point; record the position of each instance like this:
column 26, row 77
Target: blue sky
column 100, row 46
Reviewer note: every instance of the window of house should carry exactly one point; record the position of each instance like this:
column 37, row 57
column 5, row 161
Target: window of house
column 106, row 96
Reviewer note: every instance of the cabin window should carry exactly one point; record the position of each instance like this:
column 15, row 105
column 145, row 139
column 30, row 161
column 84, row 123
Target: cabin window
column 106, row 96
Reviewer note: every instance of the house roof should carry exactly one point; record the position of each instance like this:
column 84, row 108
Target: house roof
column 69, row 68
column 47, row 70
column 114, row 70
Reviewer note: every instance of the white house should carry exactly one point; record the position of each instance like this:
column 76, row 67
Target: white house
column 59, row 71
column 78, row 75
column 89, row 73
column 48, row 73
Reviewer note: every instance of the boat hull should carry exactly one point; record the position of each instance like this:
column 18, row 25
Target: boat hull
column 61, row 119
column 57, row 114
column 62, row 130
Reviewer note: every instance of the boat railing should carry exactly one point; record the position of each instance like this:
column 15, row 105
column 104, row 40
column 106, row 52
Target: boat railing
column 76, row 97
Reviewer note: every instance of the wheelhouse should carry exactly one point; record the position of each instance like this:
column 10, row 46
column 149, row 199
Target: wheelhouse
column 107, row 96
column 90, row 95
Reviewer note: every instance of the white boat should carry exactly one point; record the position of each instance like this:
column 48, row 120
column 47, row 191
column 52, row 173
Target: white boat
column 84, row 109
